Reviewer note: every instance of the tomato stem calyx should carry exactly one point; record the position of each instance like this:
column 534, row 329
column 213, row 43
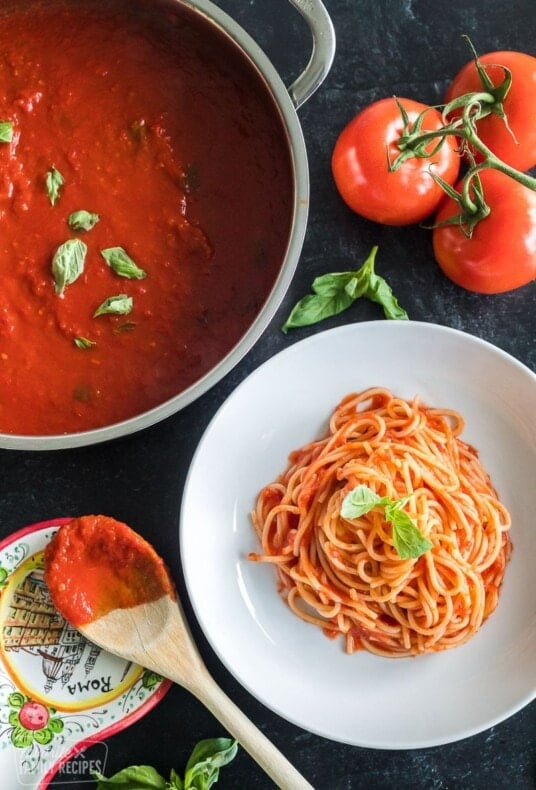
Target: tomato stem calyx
column 497, row 93
column 460, row 118
column 473, row 207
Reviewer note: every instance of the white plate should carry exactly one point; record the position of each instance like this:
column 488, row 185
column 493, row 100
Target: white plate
column 290, row 665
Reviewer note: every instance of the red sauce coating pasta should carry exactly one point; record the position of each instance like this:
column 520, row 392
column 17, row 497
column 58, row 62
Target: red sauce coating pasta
column 345, row 574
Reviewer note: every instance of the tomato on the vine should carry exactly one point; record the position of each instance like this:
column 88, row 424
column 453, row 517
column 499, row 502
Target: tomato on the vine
column 500, row 255
column 366, row 146
column 513, row 141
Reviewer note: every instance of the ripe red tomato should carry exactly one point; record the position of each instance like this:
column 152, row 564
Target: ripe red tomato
column 501, row 253
column 360, row 165
column 518, row 146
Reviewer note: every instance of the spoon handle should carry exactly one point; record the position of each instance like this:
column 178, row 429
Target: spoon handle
column 263, row 751
column 157, row 636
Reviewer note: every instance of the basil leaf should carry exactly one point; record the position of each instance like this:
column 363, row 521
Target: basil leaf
column 313, row 308
column 122, row 264
column 128, row 326
column 82, row 220
column 84, row 343
column 136, row 777
column 358, row 285
column 54, row 182
column 68, row 263
column 359, row 501
column 175, row 781
column 202, row 770
column 6, row 131
column 115, row 305
column 408, row 541
column 335, row 292
column 332, row 284
column 208, row 756
column 378, row 290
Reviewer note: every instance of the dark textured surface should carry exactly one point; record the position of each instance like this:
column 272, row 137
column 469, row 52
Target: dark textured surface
column 384, row 47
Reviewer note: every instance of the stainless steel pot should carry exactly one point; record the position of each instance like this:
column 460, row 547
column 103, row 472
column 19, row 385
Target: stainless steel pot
column 287, row 100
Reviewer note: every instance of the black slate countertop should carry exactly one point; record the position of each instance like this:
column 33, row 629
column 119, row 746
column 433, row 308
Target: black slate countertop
column 384, row 47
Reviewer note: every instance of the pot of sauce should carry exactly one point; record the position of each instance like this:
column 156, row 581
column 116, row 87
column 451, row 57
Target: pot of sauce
column 90, row 284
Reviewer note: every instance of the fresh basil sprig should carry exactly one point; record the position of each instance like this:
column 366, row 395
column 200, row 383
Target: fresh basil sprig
column 6, row 131
column 335, row 292
column 68, row 263
column 115, row 305
column 122, row 264
column 408, row 540
column 202, row 770
column 54, row 181
column 83, row 220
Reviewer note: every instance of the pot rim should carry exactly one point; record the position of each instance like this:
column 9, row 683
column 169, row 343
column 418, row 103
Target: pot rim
column 298, row 155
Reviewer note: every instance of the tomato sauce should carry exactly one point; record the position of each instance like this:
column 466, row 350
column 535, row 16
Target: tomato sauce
column 95, row 564
column 171, row 139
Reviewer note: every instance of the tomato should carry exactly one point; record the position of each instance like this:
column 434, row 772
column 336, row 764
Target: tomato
column 516, row 147
column 360, row 165
column 501, row 253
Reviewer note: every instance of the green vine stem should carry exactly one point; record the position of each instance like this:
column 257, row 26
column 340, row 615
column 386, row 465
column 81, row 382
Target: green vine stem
column 460, row 117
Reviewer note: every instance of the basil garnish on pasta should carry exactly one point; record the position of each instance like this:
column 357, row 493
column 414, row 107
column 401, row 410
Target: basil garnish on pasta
column 408, row 540
column 337, row 546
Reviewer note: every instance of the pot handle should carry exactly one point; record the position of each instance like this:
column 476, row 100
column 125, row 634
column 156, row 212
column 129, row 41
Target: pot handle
column 323, row 52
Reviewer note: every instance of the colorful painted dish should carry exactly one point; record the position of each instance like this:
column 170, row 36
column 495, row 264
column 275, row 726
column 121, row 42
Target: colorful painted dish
column 288, row 664
column 58, row 692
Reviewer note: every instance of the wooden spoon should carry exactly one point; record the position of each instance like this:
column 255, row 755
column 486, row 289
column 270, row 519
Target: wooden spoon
column 108, row 582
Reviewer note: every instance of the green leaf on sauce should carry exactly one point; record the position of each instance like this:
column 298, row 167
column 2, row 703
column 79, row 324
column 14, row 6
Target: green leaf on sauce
column 82, row 394
column 127, row 326
column 115, row 305
column 122, row 264
column 82, row 220
column 408, row 540
column 335, row 292
column 54, row 182
column 138, row 130
column 68, row 263
column 6, row 131
column 84, row 343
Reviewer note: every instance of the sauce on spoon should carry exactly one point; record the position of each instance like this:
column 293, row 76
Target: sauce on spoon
column 95, row 564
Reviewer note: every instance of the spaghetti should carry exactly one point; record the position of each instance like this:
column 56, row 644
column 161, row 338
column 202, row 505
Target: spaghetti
column 345, row 574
